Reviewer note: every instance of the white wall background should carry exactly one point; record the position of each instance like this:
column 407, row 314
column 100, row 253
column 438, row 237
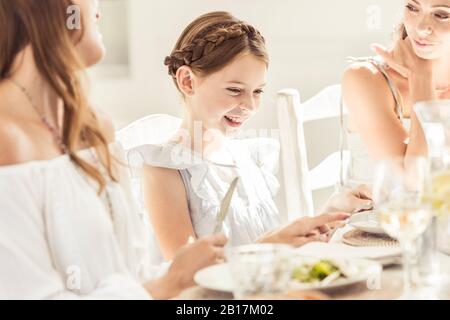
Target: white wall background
column 308, row 42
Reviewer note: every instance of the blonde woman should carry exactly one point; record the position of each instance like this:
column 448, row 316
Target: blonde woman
column 380, row 92
column 219, row 65
column 68, row 228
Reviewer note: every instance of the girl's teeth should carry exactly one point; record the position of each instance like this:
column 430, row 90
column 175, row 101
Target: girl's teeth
column 232, row 119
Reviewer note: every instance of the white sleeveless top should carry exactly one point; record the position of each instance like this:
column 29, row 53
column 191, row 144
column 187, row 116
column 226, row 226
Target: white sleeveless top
column 361, row 166
column 252, row 210
column 58, row 240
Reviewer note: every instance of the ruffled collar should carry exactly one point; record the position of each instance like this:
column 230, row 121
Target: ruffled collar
column 177, row 156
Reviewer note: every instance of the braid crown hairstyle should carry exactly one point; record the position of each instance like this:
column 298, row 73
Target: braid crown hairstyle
column 212, row 41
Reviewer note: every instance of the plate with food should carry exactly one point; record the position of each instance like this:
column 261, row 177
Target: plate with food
column 308, row 273
column 311, row 273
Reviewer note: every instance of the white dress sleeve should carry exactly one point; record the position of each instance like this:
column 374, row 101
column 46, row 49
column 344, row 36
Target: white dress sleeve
column 27, row 266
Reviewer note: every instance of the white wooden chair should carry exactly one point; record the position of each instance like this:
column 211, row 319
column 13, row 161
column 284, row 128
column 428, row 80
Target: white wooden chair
column 299, row 180
column 152, row 129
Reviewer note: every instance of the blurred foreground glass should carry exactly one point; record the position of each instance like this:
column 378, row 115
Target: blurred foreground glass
column 399, row 188
column 434, row 117
column 260, row 269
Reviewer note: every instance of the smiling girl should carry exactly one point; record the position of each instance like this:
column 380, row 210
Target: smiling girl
column 219, row 65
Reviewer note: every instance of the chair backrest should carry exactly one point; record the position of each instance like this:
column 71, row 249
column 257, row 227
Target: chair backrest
column 152, row 129
column 299, row 180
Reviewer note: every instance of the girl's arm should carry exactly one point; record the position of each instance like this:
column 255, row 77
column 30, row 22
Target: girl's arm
column 166, row 202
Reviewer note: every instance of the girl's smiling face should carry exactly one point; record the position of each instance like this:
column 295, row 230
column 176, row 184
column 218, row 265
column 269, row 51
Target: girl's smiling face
column 226, row 99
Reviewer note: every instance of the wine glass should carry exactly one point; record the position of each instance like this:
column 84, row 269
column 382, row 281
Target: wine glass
column 399, row 188
column 260, row 269
column 434, row 117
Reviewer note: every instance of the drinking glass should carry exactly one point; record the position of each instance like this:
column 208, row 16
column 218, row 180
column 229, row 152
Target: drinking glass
column 260, row 269
column 400, row 185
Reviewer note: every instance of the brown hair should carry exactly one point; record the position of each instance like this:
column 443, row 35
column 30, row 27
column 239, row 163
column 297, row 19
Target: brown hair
column 42, row 25
column 400, row 32
column 213, row 40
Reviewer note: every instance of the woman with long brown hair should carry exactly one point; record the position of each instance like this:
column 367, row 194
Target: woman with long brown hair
column 68, row 226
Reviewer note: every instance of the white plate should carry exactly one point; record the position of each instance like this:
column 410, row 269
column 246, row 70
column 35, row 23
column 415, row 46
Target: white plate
column 362, row 221
column 384, row 255
column 219, row 278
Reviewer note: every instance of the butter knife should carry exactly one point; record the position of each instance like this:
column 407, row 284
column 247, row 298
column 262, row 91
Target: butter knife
column 224, row 206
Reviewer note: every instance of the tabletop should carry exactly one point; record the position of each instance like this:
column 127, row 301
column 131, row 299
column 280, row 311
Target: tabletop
column 388, row 286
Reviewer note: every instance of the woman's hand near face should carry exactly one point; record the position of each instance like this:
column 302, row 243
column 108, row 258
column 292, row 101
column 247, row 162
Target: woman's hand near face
column 404, row 60
column 304, row 230
column 420, row 73
column 189, row 259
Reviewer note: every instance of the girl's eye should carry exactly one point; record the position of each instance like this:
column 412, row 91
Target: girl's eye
column 234, row 90
column 411, row 8
column 259, row 92
column 441, row 16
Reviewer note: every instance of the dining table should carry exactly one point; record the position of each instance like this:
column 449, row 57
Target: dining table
column 389, row 285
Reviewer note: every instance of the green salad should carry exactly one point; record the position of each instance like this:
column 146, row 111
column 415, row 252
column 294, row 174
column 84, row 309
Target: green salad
column 314, row 272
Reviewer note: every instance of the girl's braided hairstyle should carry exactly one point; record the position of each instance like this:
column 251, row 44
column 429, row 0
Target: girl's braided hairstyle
column 212, row 41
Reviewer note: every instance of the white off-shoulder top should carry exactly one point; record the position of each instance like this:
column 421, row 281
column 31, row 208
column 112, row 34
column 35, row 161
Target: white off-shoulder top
column 58, row 239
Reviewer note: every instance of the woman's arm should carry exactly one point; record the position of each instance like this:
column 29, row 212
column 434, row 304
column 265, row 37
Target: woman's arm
column 371, row 109
column 372, row 112
column 166, row 202
column 420, row 76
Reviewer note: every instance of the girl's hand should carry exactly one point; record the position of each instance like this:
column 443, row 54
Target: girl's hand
column 304, row 230
column 351, row 201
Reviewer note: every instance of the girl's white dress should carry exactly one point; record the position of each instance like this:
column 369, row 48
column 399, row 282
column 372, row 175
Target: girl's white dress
column 252, row 210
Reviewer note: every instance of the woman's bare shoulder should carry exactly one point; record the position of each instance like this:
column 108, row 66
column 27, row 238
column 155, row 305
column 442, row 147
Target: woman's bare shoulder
column 14, row 145
column 363, row 81
column 363, row 73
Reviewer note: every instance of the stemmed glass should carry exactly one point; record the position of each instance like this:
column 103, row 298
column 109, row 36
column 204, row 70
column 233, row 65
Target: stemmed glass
column 399, row 188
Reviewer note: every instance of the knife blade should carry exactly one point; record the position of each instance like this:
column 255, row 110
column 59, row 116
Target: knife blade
column 224, row 206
